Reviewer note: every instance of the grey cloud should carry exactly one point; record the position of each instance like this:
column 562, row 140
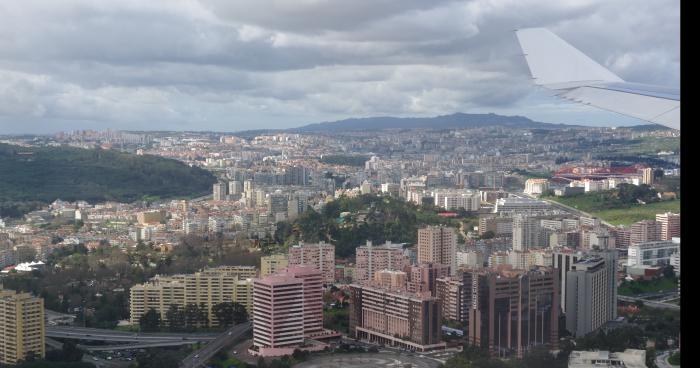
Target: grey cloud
column 217, row 64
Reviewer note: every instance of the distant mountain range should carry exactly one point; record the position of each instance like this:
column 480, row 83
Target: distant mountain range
column 454, row 121
column 457, row 120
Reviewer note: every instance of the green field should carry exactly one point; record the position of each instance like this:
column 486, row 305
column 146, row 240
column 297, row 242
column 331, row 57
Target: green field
column 631, row 288
column 624, row 214
column 652, row 145
column 628, row 216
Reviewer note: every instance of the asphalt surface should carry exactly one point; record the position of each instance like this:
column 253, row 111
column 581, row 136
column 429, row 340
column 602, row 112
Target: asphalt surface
column 368, row 360
column 200, row 357
column 649, row 303
column 95, row 334
column 662, row 360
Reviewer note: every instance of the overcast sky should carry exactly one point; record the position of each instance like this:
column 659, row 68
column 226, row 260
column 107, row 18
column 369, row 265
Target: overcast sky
column 230, row 65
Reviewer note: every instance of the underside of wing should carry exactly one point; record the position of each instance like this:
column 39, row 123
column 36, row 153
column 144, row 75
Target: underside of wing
column 650, row 108
column 556, row 65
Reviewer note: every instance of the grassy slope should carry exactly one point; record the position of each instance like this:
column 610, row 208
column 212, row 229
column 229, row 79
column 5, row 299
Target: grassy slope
column 619, row 216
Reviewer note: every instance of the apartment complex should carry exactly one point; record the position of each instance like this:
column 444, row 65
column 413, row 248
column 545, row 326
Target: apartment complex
column 670, row 225
column 453, row 297
column 438, row 244
column 210, row 287
column 272, row 264
column 512, row 311
column 320, row 255
column 645, row 231
column 287, row 308
column 525, row 232
column 591, row 299
column 372, row 258
column 396, row 318
column 423, row 277
column 22, row 328
column 652, row 253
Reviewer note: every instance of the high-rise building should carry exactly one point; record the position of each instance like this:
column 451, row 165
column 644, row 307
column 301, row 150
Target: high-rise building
column 438, row 244
column 319, row 255
column 220, row 191
column 645, row 231
column 513, row 311
column 499, row 226
column 235, row 187
column 591, row 299
column 563, row 260
column 525, row 232
column 273, row 264
column 209, row 287
column 372, row 258
column 277, row 203
column 396, row 318
column 452, row 294
column 22, row 327
column 670, row 225
column 423, row 277
column 647, row 176
column 287, row 308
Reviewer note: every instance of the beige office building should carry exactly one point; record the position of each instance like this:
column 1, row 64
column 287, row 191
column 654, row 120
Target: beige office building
column 211, row 286
column 22, row 328
column 272, row 264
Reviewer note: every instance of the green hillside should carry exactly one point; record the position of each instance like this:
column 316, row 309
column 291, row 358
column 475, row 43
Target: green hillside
column 30, row 176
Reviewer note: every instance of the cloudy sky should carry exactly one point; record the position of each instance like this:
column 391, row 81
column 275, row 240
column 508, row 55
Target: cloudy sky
column 248, row 64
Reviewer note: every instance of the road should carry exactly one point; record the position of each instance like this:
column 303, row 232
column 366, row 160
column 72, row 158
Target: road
column 662, row 359
column 649, row 303
column 157, row 344
column 96, row 334
column 200, row 357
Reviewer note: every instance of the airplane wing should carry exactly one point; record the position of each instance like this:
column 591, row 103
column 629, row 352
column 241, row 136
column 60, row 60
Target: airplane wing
column 558, row 66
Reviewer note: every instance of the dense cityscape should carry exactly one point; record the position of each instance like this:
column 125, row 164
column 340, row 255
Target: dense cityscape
column 457, row 247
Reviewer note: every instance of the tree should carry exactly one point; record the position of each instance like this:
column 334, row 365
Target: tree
column 70, row 351
column 150, row 321
column 176, row 318
column 261, row 363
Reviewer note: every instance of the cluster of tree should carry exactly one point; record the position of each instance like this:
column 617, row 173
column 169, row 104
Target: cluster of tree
column 538, row 357
column 193, row 316
column 344, row 160
column 44, row 174
column 68, row 357
column 370, row 218
column 626, row 160
column 159, row 358
column 286, row 361
column 74, row 278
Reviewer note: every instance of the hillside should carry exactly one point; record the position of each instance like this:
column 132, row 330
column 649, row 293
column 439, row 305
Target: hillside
column 458, row 120
column 42, row 175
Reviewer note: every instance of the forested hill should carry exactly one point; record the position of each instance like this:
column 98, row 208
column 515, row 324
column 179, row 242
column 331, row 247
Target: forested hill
column 48, row 173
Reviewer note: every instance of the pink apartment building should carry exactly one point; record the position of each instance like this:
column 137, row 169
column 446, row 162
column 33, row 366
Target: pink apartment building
column 320, row 255
column 287, row 308
column 372, row 258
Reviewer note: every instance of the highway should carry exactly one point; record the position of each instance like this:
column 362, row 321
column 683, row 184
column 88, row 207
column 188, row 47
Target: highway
column 649, row 303
column 662, row 359
column 159, row 344
column 96, row 334
column 200, row 357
